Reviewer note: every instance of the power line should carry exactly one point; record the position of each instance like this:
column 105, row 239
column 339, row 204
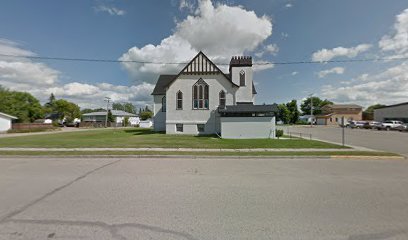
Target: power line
column 180, row 63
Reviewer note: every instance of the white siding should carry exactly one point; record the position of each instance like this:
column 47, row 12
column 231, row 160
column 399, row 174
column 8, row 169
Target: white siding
column 244, row 93
column 159, row 119
column 191, row 117
column 248, row 127
column 5, row 124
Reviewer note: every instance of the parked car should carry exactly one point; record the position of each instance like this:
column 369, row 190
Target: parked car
column 402, row 128
column 357, row 124
column 372, row 125
column 390, row 125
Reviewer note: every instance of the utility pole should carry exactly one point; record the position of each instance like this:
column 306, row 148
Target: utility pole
column 311, row 110
column 107, row 99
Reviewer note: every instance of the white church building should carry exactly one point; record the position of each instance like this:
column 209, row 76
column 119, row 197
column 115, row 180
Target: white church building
column 202, row 99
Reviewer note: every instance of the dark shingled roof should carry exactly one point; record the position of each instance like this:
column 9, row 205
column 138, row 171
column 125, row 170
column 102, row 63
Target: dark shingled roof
column 248, row 108
column 162, row 83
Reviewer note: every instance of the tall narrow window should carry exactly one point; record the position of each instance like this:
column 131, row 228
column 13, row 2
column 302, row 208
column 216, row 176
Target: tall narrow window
column 164, row 104
column 200, row 95
column 222, row 98
column 179, row 100
column 242, row 78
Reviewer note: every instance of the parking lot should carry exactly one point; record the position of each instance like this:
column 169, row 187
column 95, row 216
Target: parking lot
column 390, row 141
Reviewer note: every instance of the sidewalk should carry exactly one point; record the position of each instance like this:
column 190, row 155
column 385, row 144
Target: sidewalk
column 188, row 149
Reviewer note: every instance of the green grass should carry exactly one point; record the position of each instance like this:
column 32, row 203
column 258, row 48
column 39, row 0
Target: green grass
column 170, row 153
column 137, row 138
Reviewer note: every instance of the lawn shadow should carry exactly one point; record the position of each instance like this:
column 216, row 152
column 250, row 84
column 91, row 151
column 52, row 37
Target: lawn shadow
column 142, row 131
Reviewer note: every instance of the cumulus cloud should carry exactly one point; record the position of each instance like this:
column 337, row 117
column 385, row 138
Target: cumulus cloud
column 335, row 70
column 328, row 54
column 22, row 74
column 220, row 31
column 397, row 42
column 113, row 11
column 387, row 87
column 272, row 49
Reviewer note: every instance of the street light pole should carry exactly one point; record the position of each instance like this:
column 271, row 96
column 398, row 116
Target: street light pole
column 107, row 99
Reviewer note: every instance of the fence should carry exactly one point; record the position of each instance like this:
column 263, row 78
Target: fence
column 300, row 135
column 20, row 126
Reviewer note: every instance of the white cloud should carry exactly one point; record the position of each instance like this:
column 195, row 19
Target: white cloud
column 387, row 87
column 397, row 42
column 220, row 31
column 328, row 54
column 294, row 73
column 186, row 4
column 113, row 11
column 272, row 49
column 289, row 5
column 22, row 74
column 335, row 70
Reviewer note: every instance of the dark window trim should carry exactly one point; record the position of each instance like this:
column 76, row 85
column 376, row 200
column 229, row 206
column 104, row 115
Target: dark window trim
column 179, row 99
column 204, row 101
column 164, row 107
column 242, row 78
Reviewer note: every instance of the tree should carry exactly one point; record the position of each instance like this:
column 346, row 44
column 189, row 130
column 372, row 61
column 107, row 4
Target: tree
column 294, row 112
column 145, row 115
column 283, row 113
column 317, row 105
column 20, row 104
column 127, row 107
column 67, row 110
column 110, row 116
column 368, row 114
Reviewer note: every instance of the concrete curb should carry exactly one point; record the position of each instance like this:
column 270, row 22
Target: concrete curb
column 334, row 157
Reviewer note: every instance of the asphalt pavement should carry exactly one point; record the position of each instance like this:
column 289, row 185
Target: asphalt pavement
column 125, row 198
column 389, row 141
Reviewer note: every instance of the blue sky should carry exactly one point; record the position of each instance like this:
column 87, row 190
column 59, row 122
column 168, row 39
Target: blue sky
column 276, row 31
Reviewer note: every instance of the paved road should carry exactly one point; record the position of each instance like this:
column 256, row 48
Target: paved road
column 391, row 141
column 206, row 199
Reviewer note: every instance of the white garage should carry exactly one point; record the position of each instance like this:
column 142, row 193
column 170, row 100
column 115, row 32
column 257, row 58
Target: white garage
column 5, row 122
column 247, row 121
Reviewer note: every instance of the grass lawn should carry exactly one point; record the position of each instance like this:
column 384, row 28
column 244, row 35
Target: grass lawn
column 220, row 154
column 137, row 138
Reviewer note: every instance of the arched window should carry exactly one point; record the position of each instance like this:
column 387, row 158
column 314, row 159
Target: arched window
column 222, row 98
column 200, row 95
column 164, row 104
column 179, row 100
column 242, row 78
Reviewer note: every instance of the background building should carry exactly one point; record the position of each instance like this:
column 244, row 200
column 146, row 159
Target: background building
column 397, row 112
column 5, row 122
column 333, row 113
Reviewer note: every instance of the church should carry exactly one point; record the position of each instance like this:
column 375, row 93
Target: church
column 203, row 100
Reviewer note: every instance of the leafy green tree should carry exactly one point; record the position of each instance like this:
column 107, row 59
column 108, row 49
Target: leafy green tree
column 283, row 113
column 368, row 114
column 145, row 115
column 110, row 116
column 67, row 110
column 317, row 105
column 294, row 111
column 127, row 107
column 20, row 104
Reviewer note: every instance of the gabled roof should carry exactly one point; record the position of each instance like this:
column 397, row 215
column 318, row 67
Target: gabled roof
column 114, row 113
column 7, row 116
column 162, row 83
column 199, row 65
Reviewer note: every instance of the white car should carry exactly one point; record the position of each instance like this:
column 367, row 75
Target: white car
column 391, row 124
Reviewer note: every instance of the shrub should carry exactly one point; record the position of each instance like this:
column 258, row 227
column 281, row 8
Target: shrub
column 279, row 133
